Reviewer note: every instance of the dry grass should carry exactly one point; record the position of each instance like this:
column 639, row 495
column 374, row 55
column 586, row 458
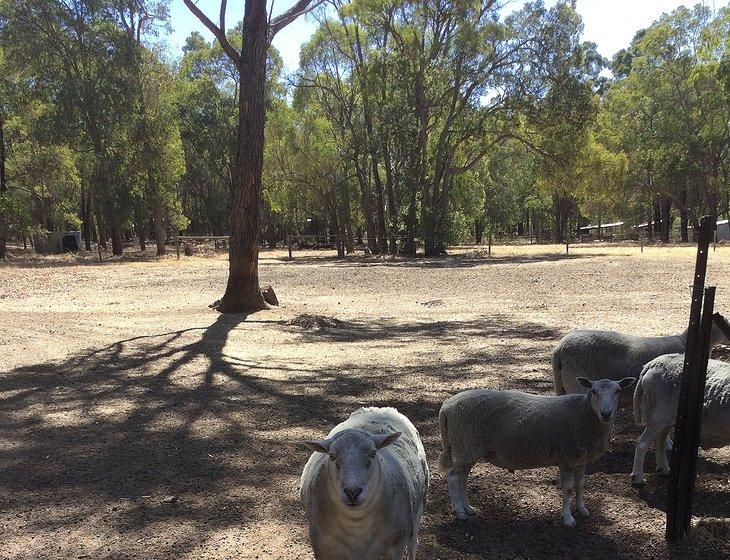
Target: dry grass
column 119, row 388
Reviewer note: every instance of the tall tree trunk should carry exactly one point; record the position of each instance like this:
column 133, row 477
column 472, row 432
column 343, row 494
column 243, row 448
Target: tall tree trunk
column 371, row 147
column 158, row 220
column 684, row 215
column 243, row 294
column 3, row 190
column 103, row 234
column 478, row 230
column 117, row 240
column 86, row 214
column 367, row 208
column 142, row 234
column 665, row 208
column 392, row 210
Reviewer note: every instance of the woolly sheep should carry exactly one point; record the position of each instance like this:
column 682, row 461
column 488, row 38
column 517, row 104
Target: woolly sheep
column 364, row 488
column 515, row 430
column 613, row 355
column 656, row 399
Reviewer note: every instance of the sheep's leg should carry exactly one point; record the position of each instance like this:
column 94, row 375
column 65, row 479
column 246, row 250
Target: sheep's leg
column 566, row 480
column 642, row 446
column 457, row 489
column 412, row 548
column 660, row 449
column 396, row 553
column 579, row 477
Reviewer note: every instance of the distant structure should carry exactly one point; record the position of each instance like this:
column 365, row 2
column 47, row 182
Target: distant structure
column 63, row 241
column 599, row 231
column 722, row 233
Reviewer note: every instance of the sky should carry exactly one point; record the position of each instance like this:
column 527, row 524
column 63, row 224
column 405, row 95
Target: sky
column 611, row 24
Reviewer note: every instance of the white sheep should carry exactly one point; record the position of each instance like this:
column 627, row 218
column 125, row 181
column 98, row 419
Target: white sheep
column 613, row 355
column 515, row 430
column 364, row 488
column 656, row 399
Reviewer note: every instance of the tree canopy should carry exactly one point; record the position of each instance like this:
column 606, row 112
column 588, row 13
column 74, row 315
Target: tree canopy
column 408, row 125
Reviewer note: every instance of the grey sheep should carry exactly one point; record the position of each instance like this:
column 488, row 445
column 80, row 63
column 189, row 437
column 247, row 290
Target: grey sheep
column 656, row 399
column 515, row 430
column 613, row 355
column 364, row 488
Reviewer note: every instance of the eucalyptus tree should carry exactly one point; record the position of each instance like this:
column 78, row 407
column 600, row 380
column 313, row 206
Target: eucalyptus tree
column 87, row 64
column 242, row 291
column 669, row 111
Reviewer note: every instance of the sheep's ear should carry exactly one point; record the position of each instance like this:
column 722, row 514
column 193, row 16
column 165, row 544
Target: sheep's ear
column 318, row 445
column 626, row 382
column 385, row 440
column 584, row 382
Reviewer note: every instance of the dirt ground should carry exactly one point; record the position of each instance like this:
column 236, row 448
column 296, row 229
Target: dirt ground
column 136, row 422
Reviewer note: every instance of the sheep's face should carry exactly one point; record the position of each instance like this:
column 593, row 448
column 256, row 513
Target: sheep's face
column 604, row 395
column 353, row 456
column 720, row 330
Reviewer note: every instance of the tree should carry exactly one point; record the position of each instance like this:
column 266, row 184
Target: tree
column 243, row 293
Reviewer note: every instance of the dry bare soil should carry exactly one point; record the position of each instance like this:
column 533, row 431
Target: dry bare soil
column 136, row 422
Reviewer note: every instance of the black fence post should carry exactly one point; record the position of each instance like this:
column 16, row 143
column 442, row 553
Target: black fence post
column 691, row 399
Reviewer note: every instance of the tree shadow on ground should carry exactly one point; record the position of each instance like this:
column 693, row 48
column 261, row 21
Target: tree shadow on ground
column 446, row 261
column 81, row 259
column 317, row 327
column 155, row 444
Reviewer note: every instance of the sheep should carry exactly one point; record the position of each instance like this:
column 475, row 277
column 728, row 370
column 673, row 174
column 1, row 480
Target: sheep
column 364, row 488
column 613, row 355
column 656, row 398
column 515, row 430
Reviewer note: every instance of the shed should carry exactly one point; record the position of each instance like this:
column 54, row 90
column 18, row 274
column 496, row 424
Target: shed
column 722, row 233
column 599, row 228
column 64, row 241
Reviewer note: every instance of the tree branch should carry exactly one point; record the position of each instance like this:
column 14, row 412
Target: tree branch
column 219, row 32
column 282, row 20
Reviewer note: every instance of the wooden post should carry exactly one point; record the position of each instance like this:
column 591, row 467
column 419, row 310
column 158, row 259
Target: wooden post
column 641, row 240
column 177, row 246
column 691, row 396
column 288, row 241
column 489, row 249
column 567, row 242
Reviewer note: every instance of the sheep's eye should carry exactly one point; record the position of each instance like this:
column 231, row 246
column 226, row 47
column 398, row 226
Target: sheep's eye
column 332, row 456
column 372, row 454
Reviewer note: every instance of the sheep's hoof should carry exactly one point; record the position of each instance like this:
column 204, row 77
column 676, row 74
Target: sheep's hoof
column 584, row 512
column 461, row 514
column 470, row 511
column 662, row 472
column 637, row 481
column 569, row 521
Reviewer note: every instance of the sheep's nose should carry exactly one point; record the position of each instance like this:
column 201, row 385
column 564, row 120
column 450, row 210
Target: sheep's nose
column 606, row 415
column 353, row 492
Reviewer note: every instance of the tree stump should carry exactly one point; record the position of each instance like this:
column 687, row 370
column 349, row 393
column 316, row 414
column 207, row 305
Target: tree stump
column 270, row 296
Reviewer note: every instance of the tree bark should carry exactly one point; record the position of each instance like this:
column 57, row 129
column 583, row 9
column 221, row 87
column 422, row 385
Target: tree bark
column 665, row 208
column 3, row 190
column 478, row 230
column 86, row 215
column 243, row 294
column 117, row 240
column 684, row 216
column 365, row 201
column 158, row 219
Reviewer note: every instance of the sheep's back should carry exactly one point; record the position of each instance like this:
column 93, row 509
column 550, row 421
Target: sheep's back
column 662, row 379
column 609, row 355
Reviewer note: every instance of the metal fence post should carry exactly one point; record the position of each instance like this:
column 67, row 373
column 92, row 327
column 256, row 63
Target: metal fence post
column 691, row 398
